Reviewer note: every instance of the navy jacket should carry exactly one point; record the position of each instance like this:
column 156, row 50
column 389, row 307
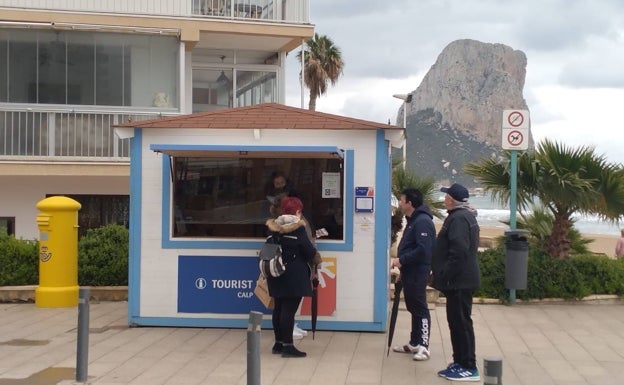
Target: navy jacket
column 416, row 246
column 455, row 264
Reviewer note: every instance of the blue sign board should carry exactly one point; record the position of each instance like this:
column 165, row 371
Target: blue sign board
column 364, row 199
column 217, row 285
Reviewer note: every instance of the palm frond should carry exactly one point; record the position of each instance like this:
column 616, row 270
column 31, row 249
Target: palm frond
column 564, row 180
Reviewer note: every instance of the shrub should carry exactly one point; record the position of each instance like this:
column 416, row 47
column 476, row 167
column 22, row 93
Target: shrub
column 103, row 257
column 19, row 261
column 548, row 277
column 601, row 274
column 492, row 265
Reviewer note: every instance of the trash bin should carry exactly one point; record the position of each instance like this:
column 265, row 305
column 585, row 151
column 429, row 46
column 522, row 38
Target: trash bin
column 516, row 259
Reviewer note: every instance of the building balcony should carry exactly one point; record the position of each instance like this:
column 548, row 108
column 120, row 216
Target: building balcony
column 30, row 134
column 279, row 11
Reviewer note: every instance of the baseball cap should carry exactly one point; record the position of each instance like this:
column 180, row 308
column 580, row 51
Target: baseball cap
column 457, row 192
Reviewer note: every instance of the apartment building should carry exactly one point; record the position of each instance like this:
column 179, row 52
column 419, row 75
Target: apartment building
column 70, row 70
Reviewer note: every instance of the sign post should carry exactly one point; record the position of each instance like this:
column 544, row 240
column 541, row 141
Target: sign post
column 515, row 137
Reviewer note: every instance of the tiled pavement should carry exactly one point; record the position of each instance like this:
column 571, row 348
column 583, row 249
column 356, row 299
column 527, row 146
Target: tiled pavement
column 540, row 344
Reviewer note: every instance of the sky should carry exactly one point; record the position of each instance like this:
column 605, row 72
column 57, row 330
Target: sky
column 574, row 85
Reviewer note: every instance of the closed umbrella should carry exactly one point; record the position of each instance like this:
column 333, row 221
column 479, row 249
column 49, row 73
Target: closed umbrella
column 398, row 286
column 314, row 303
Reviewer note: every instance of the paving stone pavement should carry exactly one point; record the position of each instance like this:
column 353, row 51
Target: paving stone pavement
column 540, row 344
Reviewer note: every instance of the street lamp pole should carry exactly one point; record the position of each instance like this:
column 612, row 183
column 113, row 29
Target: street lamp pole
column 407, row 98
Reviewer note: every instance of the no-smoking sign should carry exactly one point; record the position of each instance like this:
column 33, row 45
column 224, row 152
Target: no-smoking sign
column 515, row 130
column 516, row 119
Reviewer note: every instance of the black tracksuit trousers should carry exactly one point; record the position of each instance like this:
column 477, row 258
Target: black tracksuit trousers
column 415, row 293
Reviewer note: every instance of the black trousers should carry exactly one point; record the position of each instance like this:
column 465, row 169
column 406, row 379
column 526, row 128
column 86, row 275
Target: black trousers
column 459, row 317
column 415, row 293
column 284, row 318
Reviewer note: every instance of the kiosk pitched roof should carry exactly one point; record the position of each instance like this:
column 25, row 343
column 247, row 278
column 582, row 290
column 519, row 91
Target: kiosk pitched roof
column 267, row 115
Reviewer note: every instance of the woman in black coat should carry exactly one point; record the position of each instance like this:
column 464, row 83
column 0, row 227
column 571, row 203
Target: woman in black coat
column 289, row 288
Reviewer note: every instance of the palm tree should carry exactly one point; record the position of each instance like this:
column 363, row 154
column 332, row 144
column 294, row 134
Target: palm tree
column 403, row 178
column 323, row 64
column 565, row 180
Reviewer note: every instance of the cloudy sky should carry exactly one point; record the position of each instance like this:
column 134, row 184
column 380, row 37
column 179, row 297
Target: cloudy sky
column 575, row 50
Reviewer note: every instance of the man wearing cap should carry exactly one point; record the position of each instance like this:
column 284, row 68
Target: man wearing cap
column 455, row 271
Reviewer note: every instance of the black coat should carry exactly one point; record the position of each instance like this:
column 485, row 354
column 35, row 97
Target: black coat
column 455, row 264
column 297, row 252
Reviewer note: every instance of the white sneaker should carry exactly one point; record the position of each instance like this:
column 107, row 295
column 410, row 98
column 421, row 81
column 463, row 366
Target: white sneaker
column 421, row 353
column 297, row 335
column 300, row 331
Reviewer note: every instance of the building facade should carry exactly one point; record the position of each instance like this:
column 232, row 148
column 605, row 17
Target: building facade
column 71, row 70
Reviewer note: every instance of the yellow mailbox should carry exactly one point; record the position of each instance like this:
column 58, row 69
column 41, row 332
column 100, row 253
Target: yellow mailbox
column 58, row 252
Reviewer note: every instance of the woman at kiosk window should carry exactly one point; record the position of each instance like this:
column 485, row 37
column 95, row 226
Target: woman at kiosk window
column 289, row 288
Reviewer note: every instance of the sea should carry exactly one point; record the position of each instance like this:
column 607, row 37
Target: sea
column 491, row 214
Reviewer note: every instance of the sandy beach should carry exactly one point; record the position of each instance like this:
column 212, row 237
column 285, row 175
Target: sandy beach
column 604, row 244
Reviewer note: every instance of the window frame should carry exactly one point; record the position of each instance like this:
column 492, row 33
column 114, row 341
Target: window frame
column 47, row 56
column 170, row 242
column 10, row 224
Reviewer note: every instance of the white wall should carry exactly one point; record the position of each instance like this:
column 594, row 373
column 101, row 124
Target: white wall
column 20, row 194
column 159, row 267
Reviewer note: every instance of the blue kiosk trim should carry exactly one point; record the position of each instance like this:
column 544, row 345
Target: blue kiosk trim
column 383, row 182
column 381, row 234
column 172, row 243
column 134, row 263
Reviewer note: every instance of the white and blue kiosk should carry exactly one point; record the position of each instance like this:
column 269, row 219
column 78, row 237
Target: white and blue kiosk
column 198, row 204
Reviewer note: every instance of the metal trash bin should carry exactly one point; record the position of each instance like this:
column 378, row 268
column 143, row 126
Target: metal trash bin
column 516, row 259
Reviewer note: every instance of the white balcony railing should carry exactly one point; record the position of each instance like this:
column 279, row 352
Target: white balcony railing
column 63, row 133
column 288, row 11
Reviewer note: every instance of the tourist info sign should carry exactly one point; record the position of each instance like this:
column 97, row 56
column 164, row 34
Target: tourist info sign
column 515, row 129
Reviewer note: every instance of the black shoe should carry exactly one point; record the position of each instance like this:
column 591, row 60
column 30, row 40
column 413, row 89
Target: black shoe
column 289, row 351
column 277, row 348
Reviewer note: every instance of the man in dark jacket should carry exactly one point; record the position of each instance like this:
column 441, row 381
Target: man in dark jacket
column 414, row 261
column 456, row 274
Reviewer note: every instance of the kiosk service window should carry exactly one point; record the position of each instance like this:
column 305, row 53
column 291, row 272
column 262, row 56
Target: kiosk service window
column 223, row 195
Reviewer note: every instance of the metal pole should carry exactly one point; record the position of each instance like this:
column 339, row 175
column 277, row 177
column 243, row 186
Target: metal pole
column 405, row 127
column 82, row 349
column 512, row 207
column 253, row 348
column 406, row 98
column 302, row 73
column 493, row 371
column 405, row 114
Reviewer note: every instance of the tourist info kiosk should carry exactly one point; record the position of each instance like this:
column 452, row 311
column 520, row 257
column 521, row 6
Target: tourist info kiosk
column 201, row 188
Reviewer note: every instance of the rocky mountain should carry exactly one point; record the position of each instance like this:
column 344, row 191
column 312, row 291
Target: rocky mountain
column 455, row 114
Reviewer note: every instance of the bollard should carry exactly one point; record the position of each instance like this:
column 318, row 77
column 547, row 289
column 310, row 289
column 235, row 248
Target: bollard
column 493, row 371
column 253, row 348
column 82, row 348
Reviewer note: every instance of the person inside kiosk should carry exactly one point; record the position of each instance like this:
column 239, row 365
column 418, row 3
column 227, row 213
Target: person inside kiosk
column 223, row 194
